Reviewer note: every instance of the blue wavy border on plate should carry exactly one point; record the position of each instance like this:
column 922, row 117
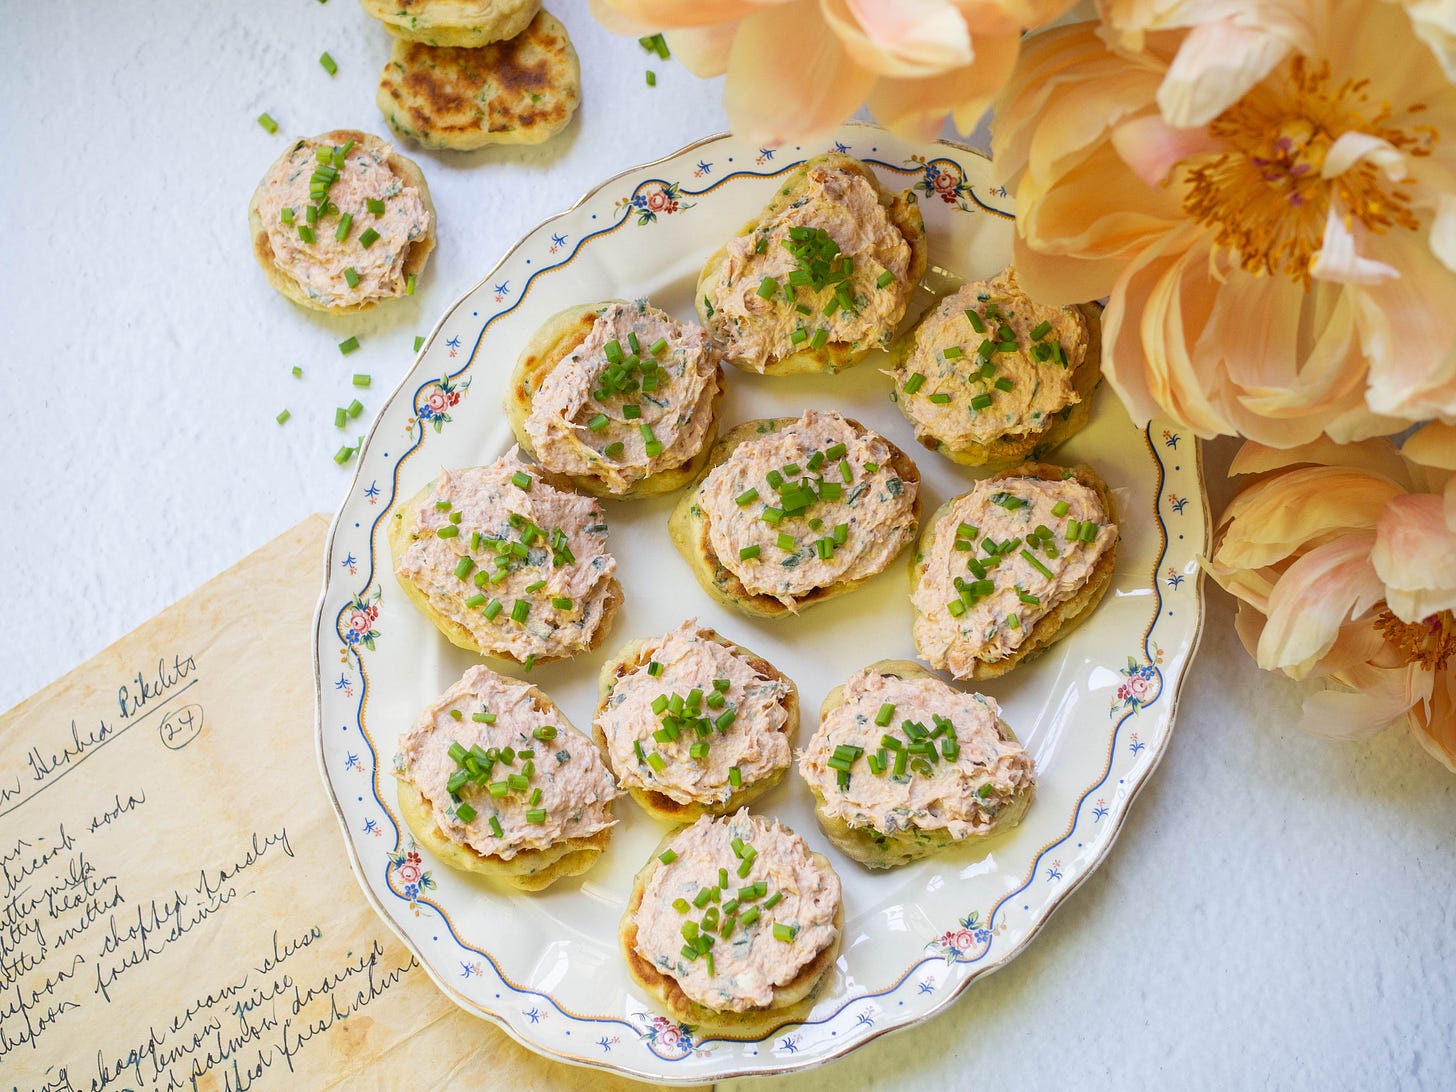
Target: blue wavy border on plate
column 687, row 1047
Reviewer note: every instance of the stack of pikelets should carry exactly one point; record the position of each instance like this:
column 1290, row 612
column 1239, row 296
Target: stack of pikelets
column 468, row 73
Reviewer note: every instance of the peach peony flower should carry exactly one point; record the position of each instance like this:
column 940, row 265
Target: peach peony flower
column 1281, row 269
column 797, row 68
column 1343, row 559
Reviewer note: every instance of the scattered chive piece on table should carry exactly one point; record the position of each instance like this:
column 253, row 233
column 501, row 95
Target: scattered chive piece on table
column 283, row 416
column 267, row 122
column 651, row 78
column 341, row 417
column 355, row 408
column 343, row 455
column 361, row 379
column 297, row 372
column 419, row 340
column 348, row 345
column 332, row 68
column 367, row 237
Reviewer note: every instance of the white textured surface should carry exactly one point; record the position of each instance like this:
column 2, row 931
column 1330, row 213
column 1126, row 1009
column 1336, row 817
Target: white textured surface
column 1278, row 911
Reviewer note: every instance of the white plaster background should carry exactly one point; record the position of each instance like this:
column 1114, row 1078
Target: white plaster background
column 1278, row 912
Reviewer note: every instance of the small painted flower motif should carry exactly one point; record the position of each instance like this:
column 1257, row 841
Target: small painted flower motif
column 408, row 868
column 1099, row 812
column 439, row 402
column 927, row 985
column 557, row 242
column 372, row 492
column 865, row 1019
column 358, row 619
column 765, row 155
column 1054, row 872
column 471, row 968
column 502, row 290
column 945, row 179
column 1177, row 503
column 1170, row 439
column 841, row 148
column 1136, row 745
column 789, row 1044
column 606, row 1044
column 1175, row 578
column 668, row 1039
column 351, row 762
column 969, row 940
column 704, row 168
column 653, row 199
column 1140, row 686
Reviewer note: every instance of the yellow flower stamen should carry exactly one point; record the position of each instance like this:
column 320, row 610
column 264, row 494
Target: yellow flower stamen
column 1264, row 196
column 1430, row 642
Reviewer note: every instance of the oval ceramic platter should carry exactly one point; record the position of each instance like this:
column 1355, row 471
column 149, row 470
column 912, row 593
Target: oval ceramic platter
column 1096, row 711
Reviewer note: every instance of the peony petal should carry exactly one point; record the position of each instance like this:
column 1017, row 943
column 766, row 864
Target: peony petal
column 1443, row 231
column 1415, row 555
column 781, row 55
column 1152, row 147
column 1378, row 455
column 1313, row 599
column 916, row 108
column 703, row 51
column 1433, row 719
column 1217, row 63
column 1383, row 700
column 1433, row 445
column 903, row 38
column 1280, row 516
column 1408, row 330
column 1338, row 258
column 1434, row 22
column 1354, row 147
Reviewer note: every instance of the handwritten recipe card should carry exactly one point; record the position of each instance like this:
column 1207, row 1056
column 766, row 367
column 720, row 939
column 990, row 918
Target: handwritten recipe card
column 176, row 911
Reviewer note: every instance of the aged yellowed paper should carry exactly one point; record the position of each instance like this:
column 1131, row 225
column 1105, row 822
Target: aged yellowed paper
column 176, row 910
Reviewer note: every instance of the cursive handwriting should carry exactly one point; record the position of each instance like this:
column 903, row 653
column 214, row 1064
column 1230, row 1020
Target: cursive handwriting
column 151, row 687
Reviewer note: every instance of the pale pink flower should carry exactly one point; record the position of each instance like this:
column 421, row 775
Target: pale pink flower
column 1281, row 269
column 410, row 872
column 359, row 622
column 1343, row 559
column 437, row 401
column 797, row 68
column 964, row 940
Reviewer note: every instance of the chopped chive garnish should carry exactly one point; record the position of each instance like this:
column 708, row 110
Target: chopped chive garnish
column 464, row 566
column 332, row 68
column 598, row 422
column 615, row 448
column 956, row 608
column 748, row 553
column 885, row 279
column 368, row 237
column 1013, row 622
column 519, row 610
column 1036, row 563
column 535, row 586
column 1041, row 330
column 940, row 398
column 341, row 417
column 654, row 668
column 536, row 815
column 1003, row 384
column 885, row 715
column 773, row 900
column 682, row 906
column 746, row 497
column 267, row 122
column 305, row 233
column 1061, row 508
column 914, row 383
column 724, row 719
column 361, row 379
column 772, row 515
column 667, row 856
column 786, row 542
column 735, row 776
column 286, row 215
column 953, row 353
column 1074, row 529
column 561, row 603
column 975, row 320
column 409, row 290
column 493, row 609
column 767, row 287
column 702, row 898
column 375, row 206
column 343, row 455
column 820, row 338
column 464, row 812
column 355, row 408
column 341, row 232
column 283, row 416
column 980, row 401
column 799, row 336
column 1088, row 532
column 521, row 480
column 631, row 411
column 784, row 932
column 841, row 534
column 656, row 761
